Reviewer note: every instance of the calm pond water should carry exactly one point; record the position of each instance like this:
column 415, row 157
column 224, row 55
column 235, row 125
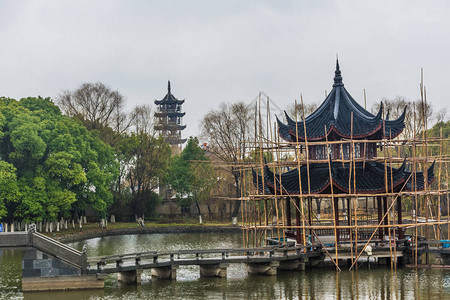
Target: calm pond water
column 376, row 283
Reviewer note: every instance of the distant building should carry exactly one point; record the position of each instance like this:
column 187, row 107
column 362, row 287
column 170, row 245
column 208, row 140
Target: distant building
column 169, row 119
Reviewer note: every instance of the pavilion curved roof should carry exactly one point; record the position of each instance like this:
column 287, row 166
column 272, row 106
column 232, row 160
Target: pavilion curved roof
column 169, row 98
column 370, row 179
column 334, row 115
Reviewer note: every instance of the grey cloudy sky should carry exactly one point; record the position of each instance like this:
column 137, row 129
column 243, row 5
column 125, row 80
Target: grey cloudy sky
column 223, row 51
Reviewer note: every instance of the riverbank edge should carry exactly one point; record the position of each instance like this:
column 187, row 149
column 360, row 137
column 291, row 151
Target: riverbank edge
column 84, row 235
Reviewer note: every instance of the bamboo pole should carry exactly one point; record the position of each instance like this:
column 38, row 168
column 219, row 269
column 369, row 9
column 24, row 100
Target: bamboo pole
column 415, row 190
column 283, row 220
column 386, row 184
column 439, row 185
column 244, row 220
column 269, row 125
column 365, row 104
column 306, row 145
column 355, row 202
column 260, row 158
column 307, row 159
column 404, row 193
column 393, row 214
column 350, row 165
column 448, row 203
column 275, row 195
column 315, row 227
column 300, row 179
column 254, row 149
column 332, row 201
column 262, row 172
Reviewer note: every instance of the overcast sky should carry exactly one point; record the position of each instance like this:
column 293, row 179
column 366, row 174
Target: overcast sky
column 224, row 51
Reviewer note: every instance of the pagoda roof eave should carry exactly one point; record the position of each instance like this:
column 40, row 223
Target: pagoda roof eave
column 169, row 114
column 370, row 179
column 333, row 129
column 169, row 100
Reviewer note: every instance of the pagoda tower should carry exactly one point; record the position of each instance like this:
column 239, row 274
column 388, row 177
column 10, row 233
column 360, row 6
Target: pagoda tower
column 169, row 119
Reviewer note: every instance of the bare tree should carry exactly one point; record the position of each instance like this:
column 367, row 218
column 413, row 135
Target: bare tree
column 227, row 130
column 98, row 108
column 441, row 115
column 296, row 109
column 394, row 108
column 142, row 120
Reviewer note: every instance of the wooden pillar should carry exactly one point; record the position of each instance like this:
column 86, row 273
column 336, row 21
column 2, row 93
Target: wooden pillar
column 288, row 213
column 386, row 229
column 380, row 216
column 399, row 211
column 297, row 220
column 336, row 217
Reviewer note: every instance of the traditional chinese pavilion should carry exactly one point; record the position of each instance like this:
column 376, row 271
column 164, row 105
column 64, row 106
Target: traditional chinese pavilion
column 170, row 118
column 334, row 168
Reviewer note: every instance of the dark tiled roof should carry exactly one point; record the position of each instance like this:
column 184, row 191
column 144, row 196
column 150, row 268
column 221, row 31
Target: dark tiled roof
column 169, row 98
column 370, row 178
column 336, row 113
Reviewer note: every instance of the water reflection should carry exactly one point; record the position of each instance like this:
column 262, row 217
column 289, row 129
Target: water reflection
column 374, row 283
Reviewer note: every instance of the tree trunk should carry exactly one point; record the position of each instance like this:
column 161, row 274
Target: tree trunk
column 198, row 208
column 237, row 203
column 318, row 203
column 209, row 211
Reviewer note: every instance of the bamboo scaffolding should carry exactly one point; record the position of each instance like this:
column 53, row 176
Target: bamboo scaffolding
column 261, row 212
column 404, row 193
column 382, row 219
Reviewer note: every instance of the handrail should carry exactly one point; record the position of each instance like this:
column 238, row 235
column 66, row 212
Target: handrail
column 61, row 245
column 58, row 250
column 153, row 254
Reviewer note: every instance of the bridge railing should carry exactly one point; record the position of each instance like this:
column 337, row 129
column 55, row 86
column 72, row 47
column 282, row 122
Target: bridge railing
column 45, row 244
column 58, row 250
column 222, row 254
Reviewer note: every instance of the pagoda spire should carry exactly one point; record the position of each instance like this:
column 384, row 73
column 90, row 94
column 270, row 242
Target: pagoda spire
column 168, row 86
column 337, row 75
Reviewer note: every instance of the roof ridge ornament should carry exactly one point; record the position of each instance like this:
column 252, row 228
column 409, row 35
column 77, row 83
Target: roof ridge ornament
column 337, row 75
